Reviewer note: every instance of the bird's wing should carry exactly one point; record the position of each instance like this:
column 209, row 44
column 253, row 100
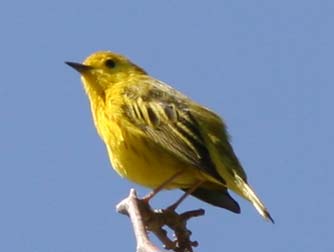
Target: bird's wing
column 168, row 121
column 217, row 140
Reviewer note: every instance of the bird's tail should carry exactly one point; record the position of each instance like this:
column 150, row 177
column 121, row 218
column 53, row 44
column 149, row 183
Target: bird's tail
column 247, row 192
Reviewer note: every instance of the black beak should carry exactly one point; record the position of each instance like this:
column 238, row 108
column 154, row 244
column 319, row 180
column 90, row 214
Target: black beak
column 79, row 67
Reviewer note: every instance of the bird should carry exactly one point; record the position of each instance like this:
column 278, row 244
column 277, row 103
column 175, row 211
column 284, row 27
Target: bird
column 159, row 138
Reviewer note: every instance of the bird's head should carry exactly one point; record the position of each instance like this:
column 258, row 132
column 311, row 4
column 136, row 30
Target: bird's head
column 102, row 70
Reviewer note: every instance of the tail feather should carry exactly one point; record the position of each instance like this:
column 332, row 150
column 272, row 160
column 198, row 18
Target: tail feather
column 219, row 198
column 249, row 194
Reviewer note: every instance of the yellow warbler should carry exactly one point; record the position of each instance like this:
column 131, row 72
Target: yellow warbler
column 154, row 133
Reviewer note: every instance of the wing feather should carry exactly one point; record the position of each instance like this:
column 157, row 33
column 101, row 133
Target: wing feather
column 172, row 127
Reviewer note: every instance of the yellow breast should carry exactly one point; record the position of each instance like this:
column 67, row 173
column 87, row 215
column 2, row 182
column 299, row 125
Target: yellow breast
column 145, row 163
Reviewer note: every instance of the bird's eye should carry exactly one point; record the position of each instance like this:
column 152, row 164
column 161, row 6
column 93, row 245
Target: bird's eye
column 110, row 63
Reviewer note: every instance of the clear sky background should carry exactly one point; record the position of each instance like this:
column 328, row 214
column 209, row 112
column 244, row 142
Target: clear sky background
column 265, row 66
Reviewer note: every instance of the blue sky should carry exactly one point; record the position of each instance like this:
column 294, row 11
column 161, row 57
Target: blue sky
column 265, row 66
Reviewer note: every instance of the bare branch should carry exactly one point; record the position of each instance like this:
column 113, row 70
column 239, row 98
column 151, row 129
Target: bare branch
column 129, row 206
column 144, row 219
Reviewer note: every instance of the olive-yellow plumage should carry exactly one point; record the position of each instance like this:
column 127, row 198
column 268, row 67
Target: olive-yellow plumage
column 152, row 132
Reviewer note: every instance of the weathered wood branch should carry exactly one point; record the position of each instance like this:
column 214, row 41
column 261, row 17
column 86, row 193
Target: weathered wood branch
column 144, row 219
